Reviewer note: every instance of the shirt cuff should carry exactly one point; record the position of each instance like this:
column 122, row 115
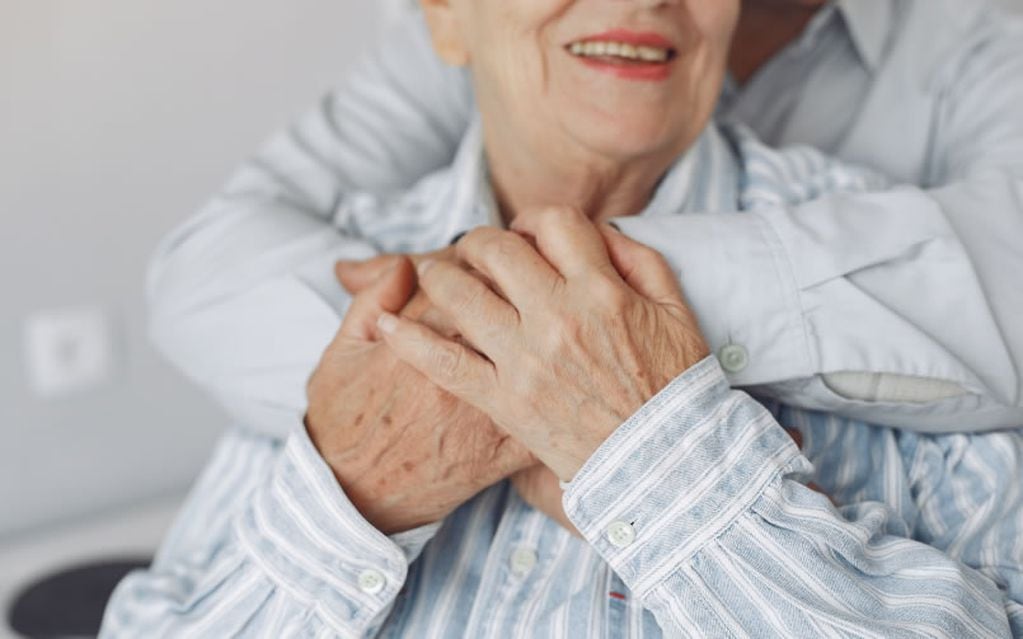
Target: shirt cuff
column 751, row 316
column 314, row 543
column 676, row 474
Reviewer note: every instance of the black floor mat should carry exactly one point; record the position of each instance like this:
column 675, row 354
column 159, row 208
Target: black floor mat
column 70, row 602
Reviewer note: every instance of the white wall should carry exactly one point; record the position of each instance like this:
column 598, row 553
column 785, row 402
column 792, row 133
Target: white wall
column 117, row 119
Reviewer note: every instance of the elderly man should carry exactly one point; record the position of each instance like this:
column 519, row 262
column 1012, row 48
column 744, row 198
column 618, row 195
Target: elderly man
column 690, row 497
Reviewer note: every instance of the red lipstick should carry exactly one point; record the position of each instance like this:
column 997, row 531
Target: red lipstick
column 635, row 38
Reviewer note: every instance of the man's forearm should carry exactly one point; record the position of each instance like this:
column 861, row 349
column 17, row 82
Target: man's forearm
column 817, row 292
column 242, row 295
column 248, row 319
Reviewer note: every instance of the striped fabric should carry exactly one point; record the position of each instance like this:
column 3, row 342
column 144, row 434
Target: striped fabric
column 696, row 515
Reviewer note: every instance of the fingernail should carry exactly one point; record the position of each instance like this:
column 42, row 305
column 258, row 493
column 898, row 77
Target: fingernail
column 614, row 226
column 424, row 266
column 457, row 237
column 387, row 323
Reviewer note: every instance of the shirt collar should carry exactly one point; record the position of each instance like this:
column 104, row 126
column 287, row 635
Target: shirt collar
column 705, row 178
column 867, row 23
column 870, row 24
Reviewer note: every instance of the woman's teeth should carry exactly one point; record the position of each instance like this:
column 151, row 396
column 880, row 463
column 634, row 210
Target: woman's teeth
column 619, row 50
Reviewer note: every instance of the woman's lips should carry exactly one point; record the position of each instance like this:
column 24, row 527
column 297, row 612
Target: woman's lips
column 635, row 38
column 631, row 55
column 647, row 71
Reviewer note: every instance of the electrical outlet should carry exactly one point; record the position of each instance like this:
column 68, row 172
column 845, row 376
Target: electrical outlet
column 68, row 351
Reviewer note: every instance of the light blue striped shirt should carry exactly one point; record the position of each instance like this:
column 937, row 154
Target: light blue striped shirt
column 696, row 516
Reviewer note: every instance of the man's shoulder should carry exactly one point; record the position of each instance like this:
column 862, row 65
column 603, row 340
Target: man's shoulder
column 930, row 39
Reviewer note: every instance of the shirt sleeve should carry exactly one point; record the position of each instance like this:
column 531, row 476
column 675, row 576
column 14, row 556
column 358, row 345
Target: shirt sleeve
column 698, row 503
column 256, row 263
column 267, row 541
column 897, row 305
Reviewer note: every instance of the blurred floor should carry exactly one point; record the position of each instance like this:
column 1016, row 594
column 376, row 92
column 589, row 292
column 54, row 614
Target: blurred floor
column 134, row 532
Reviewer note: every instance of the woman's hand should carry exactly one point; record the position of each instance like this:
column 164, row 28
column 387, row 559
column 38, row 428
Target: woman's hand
column 406, row 452
column 576, row 334
column 539, row 487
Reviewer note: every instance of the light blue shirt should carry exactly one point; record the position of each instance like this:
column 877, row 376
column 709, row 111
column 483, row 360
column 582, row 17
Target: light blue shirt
column 696, row 517
column 899, row 306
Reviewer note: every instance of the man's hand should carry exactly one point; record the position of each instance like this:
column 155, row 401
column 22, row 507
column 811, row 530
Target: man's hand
column 588, row 326
column 406, row 452
column 357, row 276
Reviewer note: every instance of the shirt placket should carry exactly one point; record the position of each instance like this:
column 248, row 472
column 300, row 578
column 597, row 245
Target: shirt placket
column 499, row 583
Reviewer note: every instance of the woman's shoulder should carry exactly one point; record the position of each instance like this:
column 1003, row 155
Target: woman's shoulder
column 792, row 175
column 426, row 215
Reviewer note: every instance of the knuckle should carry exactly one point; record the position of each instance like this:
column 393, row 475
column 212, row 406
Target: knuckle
column 506, row 245
column 428, row 279
column 469, row 296
column 497, row 247
column 446, row 361
column 475, row 240
column 554, row 217
column 443, row 282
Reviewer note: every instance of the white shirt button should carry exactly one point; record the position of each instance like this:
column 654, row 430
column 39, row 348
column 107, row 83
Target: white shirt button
column 522, row 561
column 621, row 534
column 734, row 358
column 371, row 581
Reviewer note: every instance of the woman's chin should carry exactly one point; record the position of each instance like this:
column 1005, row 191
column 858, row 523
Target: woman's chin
column 626, row 138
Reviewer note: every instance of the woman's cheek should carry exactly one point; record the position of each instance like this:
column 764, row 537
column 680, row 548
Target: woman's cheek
column 715, row 22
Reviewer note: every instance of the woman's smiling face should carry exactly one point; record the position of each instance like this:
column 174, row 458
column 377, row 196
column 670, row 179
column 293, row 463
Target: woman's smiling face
column 619, row 78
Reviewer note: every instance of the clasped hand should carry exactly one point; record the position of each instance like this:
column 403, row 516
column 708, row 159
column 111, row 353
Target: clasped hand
column 535, row 343
column 567, row 328
column 406, row 452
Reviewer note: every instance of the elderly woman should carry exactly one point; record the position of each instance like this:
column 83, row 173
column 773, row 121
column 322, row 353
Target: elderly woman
column 570, row 345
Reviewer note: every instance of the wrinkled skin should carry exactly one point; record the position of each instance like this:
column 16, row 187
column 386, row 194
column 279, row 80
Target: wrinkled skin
column 536, row 484
column 589, row 325
column 406, row 452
